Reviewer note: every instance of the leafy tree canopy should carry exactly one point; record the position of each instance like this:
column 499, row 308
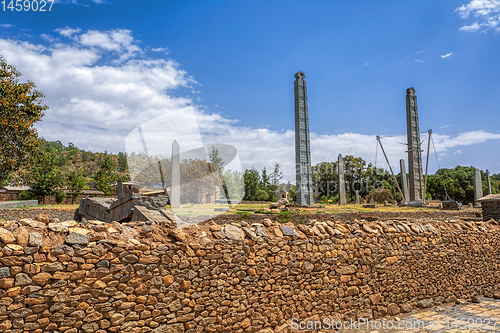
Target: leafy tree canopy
column 46, row 176
column 20, row 108
column 106, row 176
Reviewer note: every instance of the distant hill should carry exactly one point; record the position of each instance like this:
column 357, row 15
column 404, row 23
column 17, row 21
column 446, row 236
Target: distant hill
column 70, row 158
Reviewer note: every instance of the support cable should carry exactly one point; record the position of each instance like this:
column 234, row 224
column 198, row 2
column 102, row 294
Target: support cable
column 401, row 143
column 424, row 139
column 427, row 161
column 374, row 175
column 439, row 166
column 390, row 168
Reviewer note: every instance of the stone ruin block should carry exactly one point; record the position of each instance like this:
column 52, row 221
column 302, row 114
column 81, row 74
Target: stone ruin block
column 451, row 205
column 130, row 207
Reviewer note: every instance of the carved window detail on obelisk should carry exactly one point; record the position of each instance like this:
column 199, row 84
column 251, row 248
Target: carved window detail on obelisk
column 415, row 174
column 303, row 174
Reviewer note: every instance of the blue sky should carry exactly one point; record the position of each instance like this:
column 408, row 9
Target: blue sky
column 107, row 67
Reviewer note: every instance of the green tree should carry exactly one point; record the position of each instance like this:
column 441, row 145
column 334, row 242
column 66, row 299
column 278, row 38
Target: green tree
column 265, row 181
column 75, row 183
column 106, row 176
column 46, row 176
column 495, row 177
column 216, row 162
column 459, row 183
column 235, row 184
column 251, row 179
column 20, row 108
column 495, row 183
column 276, row 176
column 381, row 180
column 355, row 174
column 325, row 178
column 293, row 193
column 60, row 196
column 122, row 162
column 216, row 165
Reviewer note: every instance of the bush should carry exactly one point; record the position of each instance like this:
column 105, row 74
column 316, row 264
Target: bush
column 60, row 196
column 324, row 199
column 261, row 195
column 380, row 195
column 26, row 195
column 334, row 199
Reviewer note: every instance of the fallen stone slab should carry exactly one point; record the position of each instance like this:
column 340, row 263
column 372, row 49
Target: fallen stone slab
column 252, row 235
column 288, row 231
column 259, row 230
column 77, row 238
column 233, row 232
column 57, row 227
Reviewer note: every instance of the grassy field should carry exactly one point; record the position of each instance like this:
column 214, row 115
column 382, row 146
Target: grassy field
column 247, row 209
column 63, row 207
column 332, row 208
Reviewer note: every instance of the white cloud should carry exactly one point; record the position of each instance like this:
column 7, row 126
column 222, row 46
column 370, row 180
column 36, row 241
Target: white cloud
column 446, row 142
column 420, row 61
column 471, row 28
column 118, row 40
column 95, row 102
column 444, row 56
column 160, row 49
column 96, row 105
column 68, row 32
column 82, row 2
column 6, row 25
column 485, row 12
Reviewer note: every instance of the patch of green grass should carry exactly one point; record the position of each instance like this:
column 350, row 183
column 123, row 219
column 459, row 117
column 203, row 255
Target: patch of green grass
column 244, row 215
column 261, row 211
column 286, row 213
column 284, row 216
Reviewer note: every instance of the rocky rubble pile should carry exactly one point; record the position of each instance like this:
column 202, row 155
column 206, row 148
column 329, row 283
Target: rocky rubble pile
column 238, row 277
column 282, row 205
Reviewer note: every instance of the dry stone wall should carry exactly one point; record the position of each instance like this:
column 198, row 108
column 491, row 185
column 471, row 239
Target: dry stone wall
column 13, row 214
column 142, row 277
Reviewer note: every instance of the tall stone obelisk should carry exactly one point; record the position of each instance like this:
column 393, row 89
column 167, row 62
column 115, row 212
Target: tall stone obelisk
column 303, row 173
column 342, row 198
column 175, row 191
column 488, row 181
column 415, row 173
column 404, row 181
column 478, row 187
